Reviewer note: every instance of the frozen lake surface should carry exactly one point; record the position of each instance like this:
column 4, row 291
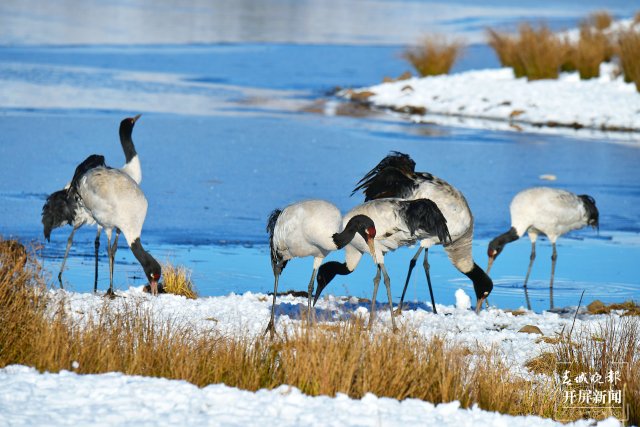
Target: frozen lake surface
column 224, row 139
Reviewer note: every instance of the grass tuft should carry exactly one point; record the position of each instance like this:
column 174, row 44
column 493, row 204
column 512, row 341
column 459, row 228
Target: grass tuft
column 600, row 20
column 628, row 308
column 629, row 53
column 533, row 53
column 434, row 55
column 585, row 56
column 177, row 281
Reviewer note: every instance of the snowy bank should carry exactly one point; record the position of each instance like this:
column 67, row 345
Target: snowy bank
column 28, row 398
column 495, row 99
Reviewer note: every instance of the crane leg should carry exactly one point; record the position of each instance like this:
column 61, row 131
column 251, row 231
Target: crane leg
column 309, row 308
column 110, row 291
column 66, row 254
column 526, row 297
column 554, row 257
column 96, row 245
column 271, row 326
column 531, row 259
column 387, row 283
column 426, row 271
column 412, row 264
column 114, row 247
column 376, row 283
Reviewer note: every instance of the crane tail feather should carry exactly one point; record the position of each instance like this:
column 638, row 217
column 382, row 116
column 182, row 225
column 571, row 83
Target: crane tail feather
column 271, row 226
column 57, row 211
column 593, row 216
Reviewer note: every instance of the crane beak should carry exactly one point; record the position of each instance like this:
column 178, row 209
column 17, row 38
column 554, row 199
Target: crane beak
column 490, row 264
column 154, row 288
column 372, row 250
column 135, row 118
column 480, row 301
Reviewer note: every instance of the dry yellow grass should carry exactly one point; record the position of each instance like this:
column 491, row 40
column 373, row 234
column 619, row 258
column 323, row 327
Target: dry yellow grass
column 585, row 56
column 177, row 281
column 629, row 53
column 613, row 345
column 600, row 20
column 504, row 46
column 434, row 55
column 344, row 358
column 535, row 53
column 628, row 308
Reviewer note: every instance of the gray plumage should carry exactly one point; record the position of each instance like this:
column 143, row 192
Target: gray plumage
column 395, row 176
column 548, row 211
column 309, row 228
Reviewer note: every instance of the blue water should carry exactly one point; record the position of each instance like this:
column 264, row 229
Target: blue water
column 224, row 140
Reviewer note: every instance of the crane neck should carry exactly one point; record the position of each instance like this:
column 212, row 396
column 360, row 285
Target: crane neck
column 127, row 143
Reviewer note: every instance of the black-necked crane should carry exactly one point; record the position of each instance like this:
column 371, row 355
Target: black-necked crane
column 398, row 223
column 311, row 228
column 544, row 210
column 60, row 209
column 114, row 200
column 395, row 176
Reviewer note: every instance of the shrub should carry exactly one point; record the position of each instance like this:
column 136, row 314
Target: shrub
column 434, row 55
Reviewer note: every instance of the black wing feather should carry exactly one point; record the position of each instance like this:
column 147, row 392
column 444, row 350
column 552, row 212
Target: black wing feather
column 60, row 207
column 424, row 214
column 389, row 182
column 91, row 162
column 395, row 159
column 58, row 210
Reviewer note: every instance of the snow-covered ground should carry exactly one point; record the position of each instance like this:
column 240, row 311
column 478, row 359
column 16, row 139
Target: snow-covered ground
column 495, row 99
column 28, row 398
column 66, row 398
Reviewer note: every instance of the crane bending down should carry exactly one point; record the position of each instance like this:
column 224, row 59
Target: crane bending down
column 310, row 228
column 398, row 223
column 395, row 176
column 59, row 209
column 549, row 211
column 114, row 200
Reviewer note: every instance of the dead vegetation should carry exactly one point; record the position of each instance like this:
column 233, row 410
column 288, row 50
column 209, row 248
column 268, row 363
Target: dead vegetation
column 344, row 358
column 585, row 56
column 627, row 308
column 600, row 20
column 534, row 53
column 538, row 53
column 629, row 55
column 434, row 55
column 612, row 346
column 177, row 281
